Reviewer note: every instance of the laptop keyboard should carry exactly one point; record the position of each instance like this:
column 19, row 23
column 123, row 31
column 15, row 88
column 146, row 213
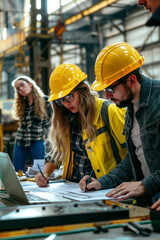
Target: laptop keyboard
column 33, row 198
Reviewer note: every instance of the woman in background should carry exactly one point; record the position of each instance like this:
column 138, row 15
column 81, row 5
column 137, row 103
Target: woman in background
column 34, row 114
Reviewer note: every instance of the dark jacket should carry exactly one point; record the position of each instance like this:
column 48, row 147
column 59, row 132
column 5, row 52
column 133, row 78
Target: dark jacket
column 148, row 117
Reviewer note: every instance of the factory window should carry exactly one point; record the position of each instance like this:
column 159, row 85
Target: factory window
column 4, row 85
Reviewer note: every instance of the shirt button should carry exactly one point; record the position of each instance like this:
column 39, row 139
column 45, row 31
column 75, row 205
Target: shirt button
column 98, row 170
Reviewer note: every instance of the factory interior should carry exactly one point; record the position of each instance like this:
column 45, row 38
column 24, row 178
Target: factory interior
column 37, row 36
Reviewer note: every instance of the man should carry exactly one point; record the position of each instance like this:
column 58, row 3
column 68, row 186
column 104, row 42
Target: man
column 150, row 5
column 153, row 6
column 117, row 72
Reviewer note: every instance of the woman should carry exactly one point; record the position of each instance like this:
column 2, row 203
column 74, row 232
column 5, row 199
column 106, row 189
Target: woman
column 81, row 139
column 34, row 114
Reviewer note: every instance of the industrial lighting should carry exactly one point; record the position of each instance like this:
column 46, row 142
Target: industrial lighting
column 96, row 7
column 51, row 30
column 73, row 19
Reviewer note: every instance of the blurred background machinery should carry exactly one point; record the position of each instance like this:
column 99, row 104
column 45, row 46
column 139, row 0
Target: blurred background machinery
column 1, row 132
column 8, row 126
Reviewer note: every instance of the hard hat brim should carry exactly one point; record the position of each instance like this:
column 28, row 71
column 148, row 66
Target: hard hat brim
column 98, row 86
column 63, row 93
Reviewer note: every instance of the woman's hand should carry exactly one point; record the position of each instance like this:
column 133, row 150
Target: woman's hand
column 41, row 181
column 49, row 167
column 94, row 184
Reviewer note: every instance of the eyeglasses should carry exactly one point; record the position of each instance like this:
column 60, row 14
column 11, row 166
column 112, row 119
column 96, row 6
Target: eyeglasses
column 110, row 89
column 21, row 85
column 69, row 98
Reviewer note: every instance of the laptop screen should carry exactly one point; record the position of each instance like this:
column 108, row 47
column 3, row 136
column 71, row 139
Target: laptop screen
column 10, row 179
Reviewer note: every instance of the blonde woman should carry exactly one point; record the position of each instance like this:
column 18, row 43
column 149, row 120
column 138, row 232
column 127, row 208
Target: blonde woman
column 82, row 141
column 34, row 114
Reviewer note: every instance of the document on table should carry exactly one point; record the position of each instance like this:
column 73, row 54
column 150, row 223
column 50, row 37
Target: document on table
column 32, row 171
column 71, row 191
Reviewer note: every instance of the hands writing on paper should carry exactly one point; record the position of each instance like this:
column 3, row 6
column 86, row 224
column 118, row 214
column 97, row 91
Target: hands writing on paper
column 49, row 167
column 40, row 180
column 94, row 184
column 128, row 190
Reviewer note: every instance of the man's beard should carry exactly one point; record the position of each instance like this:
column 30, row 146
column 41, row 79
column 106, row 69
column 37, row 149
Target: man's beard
column 126, row 102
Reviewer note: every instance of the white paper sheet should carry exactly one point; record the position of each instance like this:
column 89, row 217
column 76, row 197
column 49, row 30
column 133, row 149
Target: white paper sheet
column 72, row 191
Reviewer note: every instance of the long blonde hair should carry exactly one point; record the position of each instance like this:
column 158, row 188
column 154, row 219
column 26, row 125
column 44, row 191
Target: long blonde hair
column 20, row 101
column 61, row 126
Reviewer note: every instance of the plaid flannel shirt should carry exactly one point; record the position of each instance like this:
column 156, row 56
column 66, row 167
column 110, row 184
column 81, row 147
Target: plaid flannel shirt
column 33, row 128
column 82, row 164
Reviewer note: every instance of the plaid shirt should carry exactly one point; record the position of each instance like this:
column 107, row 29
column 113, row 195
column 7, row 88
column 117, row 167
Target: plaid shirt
column 33, row 128
column 82, row 164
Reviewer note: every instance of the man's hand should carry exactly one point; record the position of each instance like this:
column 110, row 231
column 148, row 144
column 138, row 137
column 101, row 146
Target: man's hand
column 156, row 205
column 41, row 181
column 94, row 184
column 128, row 190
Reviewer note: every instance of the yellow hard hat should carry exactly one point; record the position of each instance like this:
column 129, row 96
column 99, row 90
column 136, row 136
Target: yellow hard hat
column 64, row 79
column 113, row 62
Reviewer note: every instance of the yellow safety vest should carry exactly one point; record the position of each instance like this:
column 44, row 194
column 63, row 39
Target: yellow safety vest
column 102, row 156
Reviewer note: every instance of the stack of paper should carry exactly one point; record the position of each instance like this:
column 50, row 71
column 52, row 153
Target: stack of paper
column 32, row 171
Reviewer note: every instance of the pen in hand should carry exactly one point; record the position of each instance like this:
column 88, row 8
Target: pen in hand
column 88, row 180
column 41, row 172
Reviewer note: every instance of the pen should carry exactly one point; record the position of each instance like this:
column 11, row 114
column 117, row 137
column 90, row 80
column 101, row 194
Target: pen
column 88, row 180
column 31, row 179
column 41, row 172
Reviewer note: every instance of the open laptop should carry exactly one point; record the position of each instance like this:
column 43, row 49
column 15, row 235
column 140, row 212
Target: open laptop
column 15, row 190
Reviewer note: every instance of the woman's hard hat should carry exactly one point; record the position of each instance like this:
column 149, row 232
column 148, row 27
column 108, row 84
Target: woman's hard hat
column 64, row 79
